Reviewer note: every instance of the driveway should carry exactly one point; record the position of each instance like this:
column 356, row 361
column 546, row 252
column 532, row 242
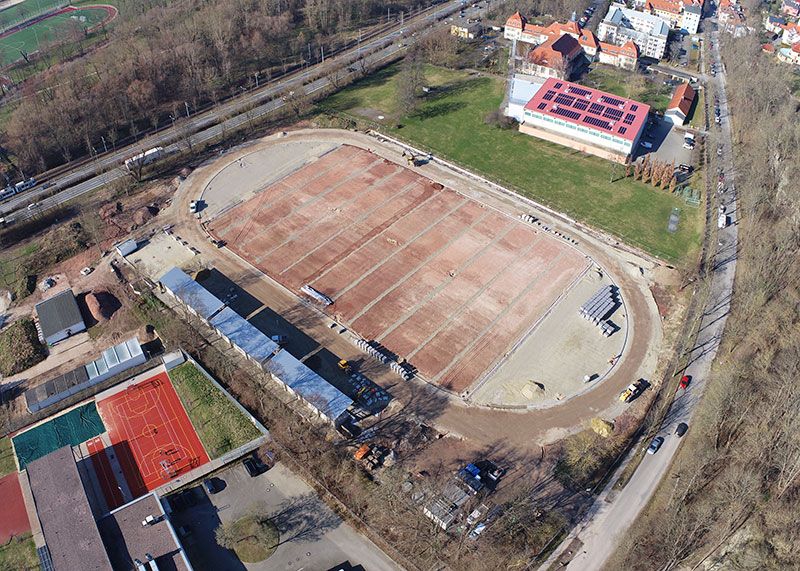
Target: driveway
column 312, row 536
column 667, row 143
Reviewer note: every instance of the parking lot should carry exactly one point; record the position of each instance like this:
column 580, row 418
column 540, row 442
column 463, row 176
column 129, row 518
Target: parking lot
column 667, row 143
column 311, row 535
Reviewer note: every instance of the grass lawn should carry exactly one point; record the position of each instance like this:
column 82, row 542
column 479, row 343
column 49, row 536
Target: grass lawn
column 221, row 426
column 26, row 10
column 450, row 123
column 252, row 538
column 19, row 554
column 697, row 115
column 628, row 84
column 20, row 348
column 54, row 30
column 7, row 464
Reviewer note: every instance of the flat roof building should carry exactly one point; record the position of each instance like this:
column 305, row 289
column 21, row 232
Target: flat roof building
column 647, row 31
column 68, row 525
column 588, row 120
column 59, row 317
column 140, row 530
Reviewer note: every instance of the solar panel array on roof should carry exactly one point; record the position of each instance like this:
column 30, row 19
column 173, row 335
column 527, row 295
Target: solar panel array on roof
column 594, row 121
column 542, row 105
column 613, row 114
column 549, row 95
column 623, row 130
column 629, row 119
column 611, row 100
column 566, row 113
column 559, row 85
column 596, row 108
column 579, row 91
column 562, row 99
column 634, row 107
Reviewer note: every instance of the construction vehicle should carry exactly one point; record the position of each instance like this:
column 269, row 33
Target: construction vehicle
column 344, row 365
column 631, row 392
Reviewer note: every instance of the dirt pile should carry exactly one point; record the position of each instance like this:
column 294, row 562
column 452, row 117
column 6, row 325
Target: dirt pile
column 101, row 305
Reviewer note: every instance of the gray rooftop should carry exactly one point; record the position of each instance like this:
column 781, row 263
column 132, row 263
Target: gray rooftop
column 244, row 335
column 67, row 523
column 127, row 539
column 58, row 313
column 314, row 389
column 198, row 298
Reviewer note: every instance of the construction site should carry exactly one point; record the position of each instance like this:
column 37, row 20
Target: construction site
column 413, row 263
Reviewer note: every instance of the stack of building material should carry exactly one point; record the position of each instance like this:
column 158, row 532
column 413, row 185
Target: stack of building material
column 599, row 307
column 379, row 355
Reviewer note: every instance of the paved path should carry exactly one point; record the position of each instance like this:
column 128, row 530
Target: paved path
column 609, row 519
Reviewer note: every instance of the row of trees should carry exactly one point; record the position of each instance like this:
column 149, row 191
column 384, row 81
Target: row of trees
column 733, row 497
column 169, row 58
column 657, row 173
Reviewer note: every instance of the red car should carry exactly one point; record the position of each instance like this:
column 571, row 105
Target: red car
column 685, row 380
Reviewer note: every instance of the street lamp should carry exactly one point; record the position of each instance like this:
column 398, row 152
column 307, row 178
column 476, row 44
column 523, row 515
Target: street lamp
column 186, row 104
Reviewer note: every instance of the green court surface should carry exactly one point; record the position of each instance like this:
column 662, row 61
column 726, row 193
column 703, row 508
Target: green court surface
column 76, row 426
column 68, row 26
column 26, row 10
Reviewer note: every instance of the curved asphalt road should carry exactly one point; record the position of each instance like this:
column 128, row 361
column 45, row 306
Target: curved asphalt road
column 609, row 518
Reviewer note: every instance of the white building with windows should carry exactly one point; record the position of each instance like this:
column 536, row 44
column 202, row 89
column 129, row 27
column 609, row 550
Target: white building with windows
column 647, row 31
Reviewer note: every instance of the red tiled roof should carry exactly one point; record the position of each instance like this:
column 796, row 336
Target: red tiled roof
column 769, row 48
column 629, row 49
column 682, row 98
column 553, row 52
column 664, row 6
column 595, row 110
column 588, row 38
column 516, row 20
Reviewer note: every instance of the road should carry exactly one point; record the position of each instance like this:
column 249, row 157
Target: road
column 613, row 513
column 212, row 123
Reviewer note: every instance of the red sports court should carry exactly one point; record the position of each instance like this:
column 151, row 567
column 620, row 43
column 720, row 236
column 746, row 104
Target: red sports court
column 152, row 436
column 14, row 520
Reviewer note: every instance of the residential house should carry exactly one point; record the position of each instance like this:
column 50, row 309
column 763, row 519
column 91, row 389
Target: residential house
column 790, row 54
column 731, row 18
column 624, row 56
column 683, row 15
column 554, row 58
column 680, row 105
column 791, row 34
column 791, row 8
column 647, row 31
column 775, row 24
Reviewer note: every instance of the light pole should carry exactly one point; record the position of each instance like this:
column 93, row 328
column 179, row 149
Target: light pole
column 186, row 104
column 256, row 74
column 173, row 121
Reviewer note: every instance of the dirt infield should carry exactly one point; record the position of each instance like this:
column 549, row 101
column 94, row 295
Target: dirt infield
column 437, row 278
column 151, row 434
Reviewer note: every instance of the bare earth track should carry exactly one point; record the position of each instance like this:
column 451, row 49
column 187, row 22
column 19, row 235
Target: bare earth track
column 437, row 278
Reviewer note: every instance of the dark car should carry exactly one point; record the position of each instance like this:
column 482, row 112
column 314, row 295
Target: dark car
column 655, row 445
column 211, row 485
column 254, row 466
column 681, row 429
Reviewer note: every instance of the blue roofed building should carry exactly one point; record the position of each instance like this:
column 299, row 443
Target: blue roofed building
column 243, row 336
column 322, row 397
column 195, row 297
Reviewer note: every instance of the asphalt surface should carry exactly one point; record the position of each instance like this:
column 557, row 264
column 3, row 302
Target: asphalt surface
column 213, row 123
column 609, row 518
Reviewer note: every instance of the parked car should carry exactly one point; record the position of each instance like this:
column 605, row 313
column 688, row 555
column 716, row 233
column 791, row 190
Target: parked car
column 86, row 271
column 681, row 429
column 211, row 486
column 685, row 380
column 254, row 466
column 646, row 144
column 655, row 445
column 685, row 168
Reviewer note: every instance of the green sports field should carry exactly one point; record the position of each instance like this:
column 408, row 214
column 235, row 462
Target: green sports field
column 56, row 29
column 18, row 13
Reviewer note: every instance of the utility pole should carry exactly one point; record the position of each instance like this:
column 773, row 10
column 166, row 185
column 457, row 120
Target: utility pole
column 401, row 17
column 186, row 104
column 105, row 147
column 322, row 52
column 358, row 49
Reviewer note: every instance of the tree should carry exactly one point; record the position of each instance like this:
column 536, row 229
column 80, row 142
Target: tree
column 410, row 81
